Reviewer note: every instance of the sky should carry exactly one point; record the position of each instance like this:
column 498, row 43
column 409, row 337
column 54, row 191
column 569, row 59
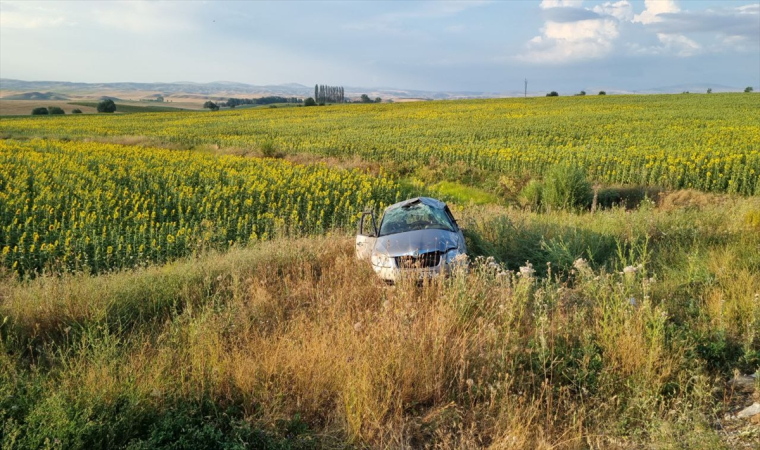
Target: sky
column 476, row 46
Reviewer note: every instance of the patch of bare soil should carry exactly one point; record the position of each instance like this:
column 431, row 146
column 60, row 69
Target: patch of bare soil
column 740, row 425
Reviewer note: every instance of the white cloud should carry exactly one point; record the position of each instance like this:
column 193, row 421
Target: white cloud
column 653, row 9
column 572, row 41
column 546, row 4
column 573, row 33
column 749, row 9
column 678, row 44
column 145, row 16
column 134, row 16
column 621, row 10
column 30, row 16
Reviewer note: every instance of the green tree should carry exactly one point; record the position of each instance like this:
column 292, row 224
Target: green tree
column 39, row 111
column 55, row 110
column 552, row 94
column 211, row 106
column 76, row 111
column 582, row 93
column 309, row 102
column 378, row 100
column 602, row 93
column 106, row 106
column 709, row 90
column 748, row 89
column 366, row 99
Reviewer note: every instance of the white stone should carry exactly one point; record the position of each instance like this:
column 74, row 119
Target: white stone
column 749, row 411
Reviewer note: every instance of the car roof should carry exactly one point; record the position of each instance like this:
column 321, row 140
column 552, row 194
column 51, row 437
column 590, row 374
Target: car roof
column 433, row 203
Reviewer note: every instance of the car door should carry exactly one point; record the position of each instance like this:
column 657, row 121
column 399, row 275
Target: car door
column 366, row 238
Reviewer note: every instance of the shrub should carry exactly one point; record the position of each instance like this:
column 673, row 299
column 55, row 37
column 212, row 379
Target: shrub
column 748, row 89
column 309, row 102
column 76, row 111
column 566, row 187
column 55, row 110
column 531, row 195
column 602, row 93
column 39, row 111
column 552, row 94
column 106, row 106
column 268, row 149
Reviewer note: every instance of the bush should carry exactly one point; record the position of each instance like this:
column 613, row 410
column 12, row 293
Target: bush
column 106, row 106
column 309, row 102
column 748, row 89
column 39, row 111
column 566, row 187
column 602, row 93
column 552, row 94
column 76, row 111
column 269, row 149
column 55, row 110
column 531, row 195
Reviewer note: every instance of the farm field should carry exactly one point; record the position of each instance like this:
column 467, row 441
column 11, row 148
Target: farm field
column 187, row 279
column 704, row 142
column 25, row 107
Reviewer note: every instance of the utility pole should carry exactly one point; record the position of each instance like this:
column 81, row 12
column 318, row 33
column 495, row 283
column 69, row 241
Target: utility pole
column 526, row 88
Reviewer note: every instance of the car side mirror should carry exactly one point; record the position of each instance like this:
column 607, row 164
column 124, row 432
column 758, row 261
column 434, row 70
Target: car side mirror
column 367, row 225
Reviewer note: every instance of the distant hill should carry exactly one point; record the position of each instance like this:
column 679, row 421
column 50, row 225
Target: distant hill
column 37, row 96
column 218, row 90
column 222, row 90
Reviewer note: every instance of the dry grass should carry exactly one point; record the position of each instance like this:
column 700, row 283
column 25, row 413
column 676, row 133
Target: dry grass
column 25, row 107
column 298, row 328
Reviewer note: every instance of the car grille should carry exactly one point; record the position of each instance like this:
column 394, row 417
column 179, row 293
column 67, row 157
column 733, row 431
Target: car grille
column 430, row 259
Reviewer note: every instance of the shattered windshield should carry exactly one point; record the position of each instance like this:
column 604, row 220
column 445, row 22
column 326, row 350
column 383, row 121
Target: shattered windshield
column 417, row 216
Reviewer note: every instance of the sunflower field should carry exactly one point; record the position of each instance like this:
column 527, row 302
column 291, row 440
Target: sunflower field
column 86, row 206
column 705, row 142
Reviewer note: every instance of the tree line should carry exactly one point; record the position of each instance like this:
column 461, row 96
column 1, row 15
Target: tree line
column 233, row 102
column 329, row 94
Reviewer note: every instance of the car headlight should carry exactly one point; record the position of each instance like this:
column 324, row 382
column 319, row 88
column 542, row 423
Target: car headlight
column 455, row 256
column 451, row 255
column 381, row 260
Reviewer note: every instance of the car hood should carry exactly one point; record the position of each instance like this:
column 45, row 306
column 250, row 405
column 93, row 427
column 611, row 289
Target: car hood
column 417, row 242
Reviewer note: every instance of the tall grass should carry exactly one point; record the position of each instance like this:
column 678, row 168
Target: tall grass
column 292, row 344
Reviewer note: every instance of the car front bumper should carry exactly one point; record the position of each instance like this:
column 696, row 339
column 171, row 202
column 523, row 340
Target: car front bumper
column 393, row 274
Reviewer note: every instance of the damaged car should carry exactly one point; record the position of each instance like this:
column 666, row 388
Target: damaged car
column 418, row 237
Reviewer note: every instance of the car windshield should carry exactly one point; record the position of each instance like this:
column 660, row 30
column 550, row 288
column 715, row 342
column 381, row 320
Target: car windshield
column 417, row 216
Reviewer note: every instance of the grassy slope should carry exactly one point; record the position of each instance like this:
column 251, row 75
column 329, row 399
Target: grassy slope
column 132, row 108
column 291, row 344
column 25, row 107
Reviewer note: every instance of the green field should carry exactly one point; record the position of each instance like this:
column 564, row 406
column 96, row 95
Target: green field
column 188, row 279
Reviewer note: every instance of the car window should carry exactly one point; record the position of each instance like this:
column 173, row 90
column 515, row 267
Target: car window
column 417, row 216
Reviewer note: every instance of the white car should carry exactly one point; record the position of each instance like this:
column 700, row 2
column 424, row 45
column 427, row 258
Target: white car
column 418, row 237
